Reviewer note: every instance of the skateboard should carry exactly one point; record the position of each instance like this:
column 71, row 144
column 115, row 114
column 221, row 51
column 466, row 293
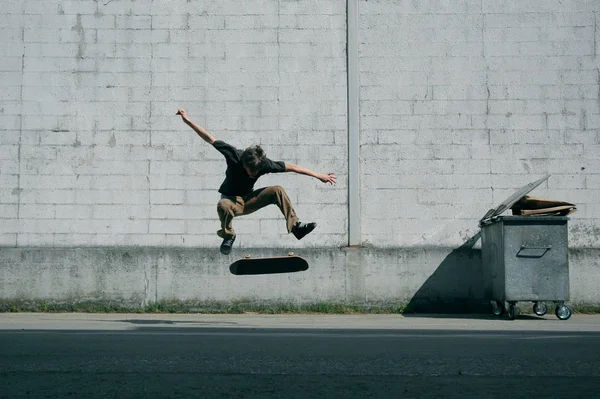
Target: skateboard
column 276, row 264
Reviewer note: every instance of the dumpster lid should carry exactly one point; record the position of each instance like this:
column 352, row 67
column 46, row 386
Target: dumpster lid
column 510, row 201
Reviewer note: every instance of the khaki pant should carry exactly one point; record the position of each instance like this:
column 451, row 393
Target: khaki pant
column 229, row 207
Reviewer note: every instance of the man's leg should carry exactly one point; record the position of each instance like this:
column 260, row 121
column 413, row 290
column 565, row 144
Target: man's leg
column 277, row 195
column 271, row 195
column 227, row 208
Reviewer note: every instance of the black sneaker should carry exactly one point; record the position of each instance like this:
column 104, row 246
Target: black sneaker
column 302, row 229
column 227, row 244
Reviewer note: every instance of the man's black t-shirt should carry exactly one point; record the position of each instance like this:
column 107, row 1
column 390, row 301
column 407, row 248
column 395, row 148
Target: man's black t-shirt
column 237, row 181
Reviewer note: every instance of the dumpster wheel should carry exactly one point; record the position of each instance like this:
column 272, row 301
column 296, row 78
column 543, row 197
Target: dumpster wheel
column 540, row 308
column 498, row 308
column 512, row 311
column 563, row 312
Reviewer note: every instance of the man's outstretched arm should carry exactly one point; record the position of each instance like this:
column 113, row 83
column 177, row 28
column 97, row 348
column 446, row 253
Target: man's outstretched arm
column 325, row 178
column 203, row 133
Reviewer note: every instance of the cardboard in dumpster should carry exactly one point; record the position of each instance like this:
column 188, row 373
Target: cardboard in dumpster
column 537, row 206
column 522, row 204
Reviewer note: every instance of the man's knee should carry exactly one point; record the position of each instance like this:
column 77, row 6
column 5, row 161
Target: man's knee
column 276, row 189
column 225, row 205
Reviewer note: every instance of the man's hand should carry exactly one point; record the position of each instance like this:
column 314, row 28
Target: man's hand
column 182, row 113
column 328, row 178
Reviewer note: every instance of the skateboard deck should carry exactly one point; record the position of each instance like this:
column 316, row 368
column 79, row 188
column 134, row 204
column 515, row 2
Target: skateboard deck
column 270, row 265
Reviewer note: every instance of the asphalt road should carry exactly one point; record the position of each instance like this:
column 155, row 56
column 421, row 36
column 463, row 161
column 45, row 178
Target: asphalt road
column 252, row 356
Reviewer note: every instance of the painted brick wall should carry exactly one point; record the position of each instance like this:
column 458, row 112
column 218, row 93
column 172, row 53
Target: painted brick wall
column 93, row 155
column 463, row 102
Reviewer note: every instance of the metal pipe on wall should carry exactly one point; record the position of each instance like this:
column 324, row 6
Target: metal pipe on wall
column 354, row 234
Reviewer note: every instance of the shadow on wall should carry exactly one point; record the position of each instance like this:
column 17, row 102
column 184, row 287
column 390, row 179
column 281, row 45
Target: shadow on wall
column 456, row 286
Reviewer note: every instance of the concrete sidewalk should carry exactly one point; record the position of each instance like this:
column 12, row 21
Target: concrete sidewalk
column 124, row 322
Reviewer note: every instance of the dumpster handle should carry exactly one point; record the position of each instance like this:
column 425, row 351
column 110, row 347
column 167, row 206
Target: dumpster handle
column 525, row 247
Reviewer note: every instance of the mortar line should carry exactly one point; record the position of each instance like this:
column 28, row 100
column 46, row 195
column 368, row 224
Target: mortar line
column 151, row 79
column 20, row 140
column 487, row 69
column 595, row 49
column 598, row 83
column 352, row 98
column 150, row 122
column 596, row 55
column 279, row 65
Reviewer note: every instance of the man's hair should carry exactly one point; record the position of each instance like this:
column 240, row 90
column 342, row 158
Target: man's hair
column 253, row 158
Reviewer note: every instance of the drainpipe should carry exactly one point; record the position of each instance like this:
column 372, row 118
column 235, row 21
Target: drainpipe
column 354, row 236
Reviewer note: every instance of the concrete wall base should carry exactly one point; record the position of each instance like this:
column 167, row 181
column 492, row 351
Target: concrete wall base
column 422, row 280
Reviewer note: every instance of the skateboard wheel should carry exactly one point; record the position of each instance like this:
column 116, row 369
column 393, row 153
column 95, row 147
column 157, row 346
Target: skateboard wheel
column 290, row 254
column 247, row 256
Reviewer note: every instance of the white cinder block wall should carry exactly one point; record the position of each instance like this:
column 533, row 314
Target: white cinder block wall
column 93, row 154
column 461, row 102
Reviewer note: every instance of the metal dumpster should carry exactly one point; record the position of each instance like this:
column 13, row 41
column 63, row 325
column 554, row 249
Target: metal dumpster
column 525, row 258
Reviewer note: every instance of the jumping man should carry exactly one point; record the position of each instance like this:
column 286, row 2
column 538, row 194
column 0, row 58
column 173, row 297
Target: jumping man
column 237, row 195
